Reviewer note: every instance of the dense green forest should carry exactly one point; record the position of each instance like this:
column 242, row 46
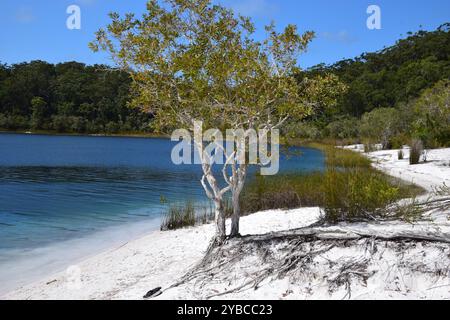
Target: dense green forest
column 67, row 97
column 396, row 94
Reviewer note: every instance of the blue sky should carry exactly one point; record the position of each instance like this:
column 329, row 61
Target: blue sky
column 36, row 29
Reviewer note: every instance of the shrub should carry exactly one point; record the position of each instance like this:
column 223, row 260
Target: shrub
column 399, row 140
column 432, row 123
column 343, row 128
column 380, row 124
column 357, row 194
column 416, row 151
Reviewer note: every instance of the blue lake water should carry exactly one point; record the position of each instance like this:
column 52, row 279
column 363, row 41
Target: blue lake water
column 62, row 197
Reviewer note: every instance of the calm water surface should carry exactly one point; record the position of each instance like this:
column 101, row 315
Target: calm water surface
column 62, row 197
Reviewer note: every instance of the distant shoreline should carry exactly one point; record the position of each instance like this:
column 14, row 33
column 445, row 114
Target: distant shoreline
column 68, row 134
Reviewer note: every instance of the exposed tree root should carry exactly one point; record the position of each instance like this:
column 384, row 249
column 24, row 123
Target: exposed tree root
column 247, row 262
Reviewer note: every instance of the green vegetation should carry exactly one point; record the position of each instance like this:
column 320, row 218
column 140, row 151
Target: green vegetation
column 210, row 67
column 190, row 214
column 341, row 158
column 349, row 189
column 391, row 96
column 394, row 95
column 67, row 98
column 179, row 217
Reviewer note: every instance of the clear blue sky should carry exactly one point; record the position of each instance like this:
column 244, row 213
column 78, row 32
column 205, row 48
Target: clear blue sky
column 36, row 29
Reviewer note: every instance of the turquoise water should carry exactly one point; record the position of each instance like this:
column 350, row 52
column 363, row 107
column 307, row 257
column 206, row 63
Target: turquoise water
column 89, row 192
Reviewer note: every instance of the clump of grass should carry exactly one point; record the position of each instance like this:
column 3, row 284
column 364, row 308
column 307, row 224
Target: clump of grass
column 416, row 151
column 401, row 155
column 178, row 217
column 189, row 214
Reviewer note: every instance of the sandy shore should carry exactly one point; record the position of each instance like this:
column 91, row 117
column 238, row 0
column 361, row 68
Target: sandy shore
column 434, row 173
column 129, row 270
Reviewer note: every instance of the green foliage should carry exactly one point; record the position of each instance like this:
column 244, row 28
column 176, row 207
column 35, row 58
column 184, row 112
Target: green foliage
column 178, row 217
column 190, row 214
column 342, row 158
column 67, row 97
column 192, row 60
column 302, row 130
column 343, row 128
column 394, row 78
column 432, row 109
column 357, row 194
column 381, row 124
column 39, row 110
column 354, row 191
column 395, row 74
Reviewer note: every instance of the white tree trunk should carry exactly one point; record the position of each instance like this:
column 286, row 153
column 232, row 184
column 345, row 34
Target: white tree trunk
column 236, row 216
column 220, row 221
column 215, row 194
column 239, row 181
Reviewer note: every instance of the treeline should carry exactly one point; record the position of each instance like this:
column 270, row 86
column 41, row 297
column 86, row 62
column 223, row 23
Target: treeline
column 393, row 95
column 67, row 97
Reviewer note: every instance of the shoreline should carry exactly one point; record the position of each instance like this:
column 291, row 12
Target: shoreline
column 142, row 264
column 428, row 175
column 72, row 252
column 129, row 270
column 64, row 134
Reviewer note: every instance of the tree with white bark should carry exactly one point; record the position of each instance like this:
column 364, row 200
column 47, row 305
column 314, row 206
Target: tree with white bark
column 192, row 61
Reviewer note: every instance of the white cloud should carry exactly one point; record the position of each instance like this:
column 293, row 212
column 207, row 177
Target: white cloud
column 25, row 14
column 342, row 36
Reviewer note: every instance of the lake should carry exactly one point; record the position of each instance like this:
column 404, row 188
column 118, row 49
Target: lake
column 65, row 197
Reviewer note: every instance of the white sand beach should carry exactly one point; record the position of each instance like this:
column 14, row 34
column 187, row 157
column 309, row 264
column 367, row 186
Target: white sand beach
column 131, row 269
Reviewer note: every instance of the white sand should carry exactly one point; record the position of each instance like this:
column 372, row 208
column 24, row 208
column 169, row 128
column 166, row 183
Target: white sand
column 159, row 259
column 129, row 271
column 433, row 173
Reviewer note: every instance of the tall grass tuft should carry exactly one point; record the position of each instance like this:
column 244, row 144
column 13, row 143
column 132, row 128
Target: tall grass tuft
column 190, row 214
column 178, row 217
column 416, row 151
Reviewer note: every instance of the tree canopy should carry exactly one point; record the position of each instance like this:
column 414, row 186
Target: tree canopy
column 67, row 97
column 191, row 60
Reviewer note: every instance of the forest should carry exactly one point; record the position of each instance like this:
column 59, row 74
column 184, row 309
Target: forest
column 67, row 98
column 394, row 94
column 398, row 93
